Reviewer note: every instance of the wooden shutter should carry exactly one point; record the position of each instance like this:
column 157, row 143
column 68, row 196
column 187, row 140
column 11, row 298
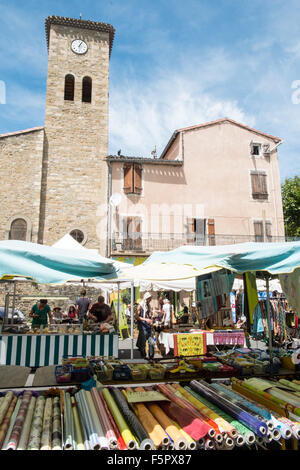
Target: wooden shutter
column 258, row 231
column 259, row 186
column 137, row 178
column 211, row 231
column 137, row 241
column 128, row 178
column 268, row 231
column 191, row 228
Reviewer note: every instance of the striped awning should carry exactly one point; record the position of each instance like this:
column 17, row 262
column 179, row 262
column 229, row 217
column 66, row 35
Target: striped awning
column 48, row 350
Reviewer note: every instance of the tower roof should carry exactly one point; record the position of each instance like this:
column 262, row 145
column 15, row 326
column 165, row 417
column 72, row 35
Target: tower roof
column 83, row 24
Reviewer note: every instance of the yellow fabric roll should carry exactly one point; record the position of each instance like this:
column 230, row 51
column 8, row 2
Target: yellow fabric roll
column 78, row 431
column 168, row 426
column 152, row 426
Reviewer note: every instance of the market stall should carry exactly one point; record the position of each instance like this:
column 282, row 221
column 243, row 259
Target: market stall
column 48, row 265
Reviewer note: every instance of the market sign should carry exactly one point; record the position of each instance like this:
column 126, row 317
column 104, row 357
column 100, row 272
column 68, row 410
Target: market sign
column 140, row 397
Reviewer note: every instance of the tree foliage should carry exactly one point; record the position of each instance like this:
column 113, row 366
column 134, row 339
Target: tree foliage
column 291, row 206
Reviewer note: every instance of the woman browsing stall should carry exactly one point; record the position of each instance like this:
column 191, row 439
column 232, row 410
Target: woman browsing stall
column 40, row 313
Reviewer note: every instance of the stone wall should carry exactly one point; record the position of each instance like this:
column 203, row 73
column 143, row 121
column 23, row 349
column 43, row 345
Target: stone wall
column 65, row 295
column 21, row 156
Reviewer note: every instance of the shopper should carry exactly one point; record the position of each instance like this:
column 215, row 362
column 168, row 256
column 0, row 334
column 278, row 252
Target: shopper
column 83, row 304
column 72, row 314
column 40, row 313
column 185, row 317
column 144, row 324
column 57, row 315
column 167, row 314
column 100, row 311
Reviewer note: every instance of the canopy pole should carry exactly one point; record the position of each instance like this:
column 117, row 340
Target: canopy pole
column 269, row 324
column 118, row 307
column 13, row 304
column 132, row 318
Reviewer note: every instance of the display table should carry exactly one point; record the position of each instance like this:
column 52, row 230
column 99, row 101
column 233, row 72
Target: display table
column 220, row 337
column 48, row 350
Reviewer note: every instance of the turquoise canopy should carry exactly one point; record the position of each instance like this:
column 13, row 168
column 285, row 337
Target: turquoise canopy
column 276, row 258
column 48, row 265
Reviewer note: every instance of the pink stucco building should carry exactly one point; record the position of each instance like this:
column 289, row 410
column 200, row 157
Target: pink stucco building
column 214, row 183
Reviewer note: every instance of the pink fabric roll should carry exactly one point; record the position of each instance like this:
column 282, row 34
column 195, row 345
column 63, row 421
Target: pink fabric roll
column 18, row 426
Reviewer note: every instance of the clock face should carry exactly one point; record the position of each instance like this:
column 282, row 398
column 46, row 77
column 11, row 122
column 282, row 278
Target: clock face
column 79, row 46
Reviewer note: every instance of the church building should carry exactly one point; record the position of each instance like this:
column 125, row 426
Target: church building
column 54, row 177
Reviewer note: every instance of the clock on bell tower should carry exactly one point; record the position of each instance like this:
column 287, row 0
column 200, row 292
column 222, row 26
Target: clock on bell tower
column 76, row 129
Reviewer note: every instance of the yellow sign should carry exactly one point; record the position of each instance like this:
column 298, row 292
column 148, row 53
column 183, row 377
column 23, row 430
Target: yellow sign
column 190, row 345
column 141, row 397
column 123, row 325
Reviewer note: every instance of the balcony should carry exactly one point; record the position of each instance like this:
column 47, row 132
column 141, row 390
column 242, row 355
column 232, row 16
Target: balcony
column 145, row 243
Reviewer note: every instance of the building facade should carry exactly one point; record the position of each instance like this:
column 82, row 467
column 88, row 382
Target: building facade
column 215, row 183
column 54, row 178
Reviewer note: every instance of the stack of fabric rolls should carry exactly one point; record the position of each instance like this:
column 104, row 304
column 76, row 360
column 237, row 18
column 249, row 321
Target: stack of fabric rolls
column 252, row 414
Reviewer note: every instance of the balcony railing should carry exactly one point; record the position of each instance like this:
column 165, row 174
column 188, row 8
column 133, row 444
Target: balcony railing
column 148, row 242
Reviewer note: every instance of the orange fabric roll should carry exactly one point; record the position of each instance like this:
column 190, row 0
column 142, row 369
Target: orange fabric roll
column 168, row 425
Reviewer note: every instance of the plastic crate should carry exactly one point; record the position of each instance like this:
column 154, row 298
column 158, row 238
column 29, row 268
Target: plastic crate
column 139, row 371
column 81, row 375
column 121, row 373
column 104, row 372
column 63, row 374
column 157, row 372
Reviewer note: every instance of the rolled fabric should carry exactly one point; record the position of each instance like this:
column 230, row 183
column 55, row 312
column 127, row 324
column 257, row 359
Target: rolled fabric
column 69, row 431
column 259, row 427
column 126, row 433
column 134, row 424
column 242, row 402
column 166, row 423
column 284, row 428
column 56, row 425
column 104, row 445
column 87, row 444
column 238, row 427
column 19, row 422
column 191, row 444
column 5, row 404
column 77, row 426
column 156, row 433
column 225, row 426
column 190, row 407
column 27, row 425
column 89, row 422
column 121, row 442
column 205, row 412
column 193, row 426
column 34, row 440
column 12, row 422
column 47, row 426
column 104, row 419
column 294, row 427
column 6, row 420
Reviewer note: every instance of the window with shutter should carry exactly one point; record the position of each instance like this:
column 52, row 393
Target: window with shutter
column 132, row 234
column 258, row 231
column 133, row 178
column 259, row 185
column 128, row 178
column 18, row 230
column 137, row 178
column 211, row 231
column 69, row 87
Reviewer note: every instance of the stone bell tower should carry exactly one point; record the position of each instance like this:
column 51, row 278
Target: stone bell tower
column 74, row 181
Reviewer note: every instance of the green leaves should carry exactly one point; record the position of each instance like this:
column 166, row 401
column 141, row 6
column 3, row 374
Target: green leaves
column 291, row 206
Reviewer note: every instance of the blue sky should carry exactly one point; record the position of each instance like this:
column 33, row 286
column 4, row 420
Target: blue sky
column 174, row 63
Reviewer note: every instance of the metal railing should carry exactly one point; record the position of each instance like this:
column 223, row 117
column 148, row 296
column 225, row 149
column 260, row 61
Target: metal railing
column 149, row 242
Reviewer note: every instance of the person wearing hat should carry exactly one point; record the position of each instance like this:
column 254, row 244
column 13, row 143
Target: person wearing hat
column 144, row 324
column 57, row 315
